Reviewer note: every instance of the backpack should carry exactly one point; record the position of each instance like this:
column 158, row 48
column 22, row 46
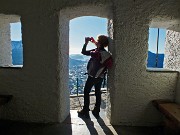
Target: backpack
column 99, row 62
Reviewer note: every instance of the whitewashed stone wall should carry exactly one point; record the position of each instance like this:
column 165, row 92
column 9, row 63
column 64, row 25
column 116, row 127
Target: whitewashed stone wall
column 38, row 88
column 172, row 50
column 110, row 78
column 5, row 40
column 63, row 48
column 172, row 56
column 134, row 87
column 5, row 53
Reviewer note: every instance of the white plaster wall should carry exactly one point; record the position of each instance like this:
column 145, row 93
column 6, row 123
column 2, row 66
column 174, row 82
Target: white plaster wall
column 110, row 75
column 5, row 40
column 35, row 86
column 38, row 87
column 172, row 50
column 63, row 48
column 172, row 56
column 135, row 88
column 177, row 96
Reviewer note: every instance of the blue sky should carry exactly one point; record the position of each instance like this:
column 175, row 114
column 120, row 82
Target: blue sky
column 91, row 26
column 16, row 31
column 153, row 32
column 82, row 27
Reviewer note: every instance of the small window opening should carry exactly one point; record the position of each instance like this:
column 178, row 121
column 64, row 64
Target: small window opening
column 11, row 52
column 156, row 47
column 16, row 44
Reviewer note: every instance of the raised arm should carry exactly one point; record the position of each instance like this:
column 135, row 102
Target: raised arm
column 84, row 51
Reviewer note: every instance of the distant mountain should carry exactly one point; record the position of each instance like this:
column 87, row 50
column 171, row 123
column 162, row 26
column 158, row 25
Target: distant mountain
column 17, row 55
column 16, row 44
column 17, row 52
column 79, row 57
column 73, row 62
column 151, row 62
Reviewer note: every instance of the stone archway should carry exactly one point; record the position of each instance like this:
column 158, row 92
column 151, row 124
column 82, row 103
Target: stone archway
column 65, row 16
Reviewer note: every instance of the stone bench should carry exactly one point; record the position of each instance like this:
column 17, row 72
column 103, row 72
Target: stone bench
column 5, row 99
column 171, row 111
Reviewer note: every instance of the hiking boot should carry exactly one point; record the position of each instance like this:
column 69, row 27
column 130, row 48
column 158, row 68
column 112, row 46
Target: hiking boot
column 95, row 112
column 83, row 113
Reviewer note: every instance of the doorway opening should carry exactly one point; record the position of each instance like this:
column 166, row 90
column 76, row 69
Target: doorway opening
column 81, row 27
column 65, row 17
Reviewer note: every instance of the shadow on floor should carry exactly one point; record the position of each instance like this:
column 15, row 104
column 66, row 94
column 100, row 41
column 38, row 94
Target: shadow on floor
column 74, row 125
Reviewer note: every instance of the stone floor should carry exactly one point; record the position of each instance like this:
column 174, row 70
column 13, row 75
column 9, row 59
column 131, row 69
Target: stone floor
column 75, row 125
column 77, row 102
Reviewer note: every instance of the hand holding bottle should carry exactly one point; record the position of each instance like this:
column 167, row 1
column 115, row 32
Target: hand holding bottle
column 87, row 39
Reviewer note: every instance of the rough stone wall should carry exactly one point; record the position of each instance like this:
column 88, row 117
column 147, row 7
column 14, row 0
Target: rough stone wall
column 110, row 77
column 5, row 41
column 172, row 56
column 135, row 88
column 38, row 87
column 63, row 48
column 172, row 50
column 34, row 87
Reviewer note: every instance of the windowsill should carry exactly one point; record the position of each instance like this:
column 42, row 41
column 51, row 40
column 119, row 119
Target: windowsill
column 12, row 66
column 159, row 70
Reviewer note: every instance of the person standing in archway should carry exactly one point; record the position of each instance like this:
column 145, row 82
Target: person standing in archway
column 97, row 66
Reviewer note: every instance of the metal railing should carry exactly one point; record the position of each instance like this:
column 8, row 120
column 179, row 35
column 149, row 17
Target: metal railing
column 76, row 85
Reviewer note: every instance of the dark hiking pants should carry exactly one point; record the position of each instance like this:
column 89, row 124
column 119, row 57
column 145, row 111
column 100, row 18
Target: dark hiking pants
column 96, row 82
